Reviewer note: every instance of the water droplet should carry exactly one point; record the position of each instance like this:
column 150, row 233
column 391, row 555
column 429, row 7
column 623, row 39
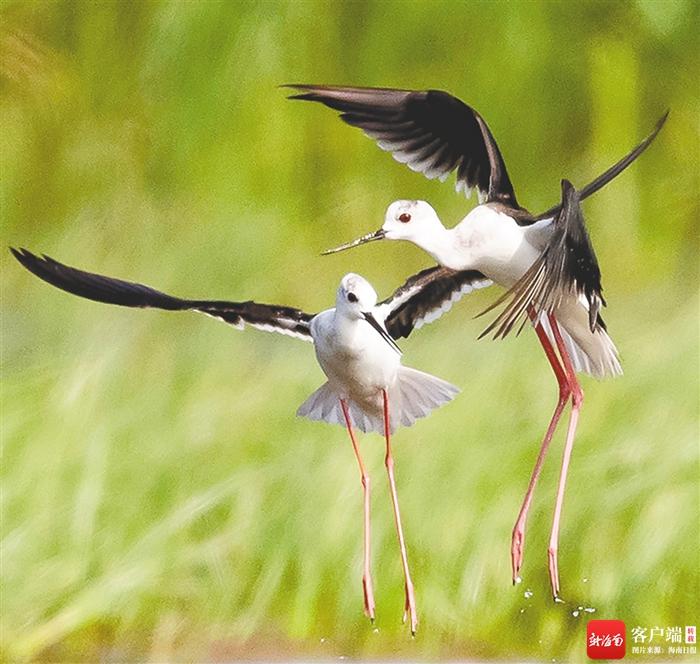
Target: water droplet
column 580, row 608
column 518, row 579
column 528, row 593
column 376, row 630
column 575, row 613
column 323, row 639
column 585, row 580
column 559, row 600
column 589, row 609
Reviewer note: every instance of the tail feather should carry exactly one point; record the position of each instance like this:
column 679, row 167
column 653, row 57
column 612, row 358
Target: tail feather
column 418, row 395
column 322, row 405
column 414, row 395
column 593, row 353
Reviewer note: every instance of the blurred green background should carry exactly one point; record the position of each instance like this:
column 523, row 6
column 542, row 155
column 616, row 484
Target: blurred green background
column 160, row 501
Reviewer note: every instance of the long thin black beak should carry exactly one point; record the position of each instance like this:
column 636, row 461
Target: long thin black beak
column 370, row 237
column 382, row 332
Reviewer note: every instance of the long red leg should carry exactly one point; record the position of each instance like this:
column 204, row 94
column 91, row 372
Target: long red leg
column 518, row 540
column 366, row 576
column 410, row 605
column 576, row 401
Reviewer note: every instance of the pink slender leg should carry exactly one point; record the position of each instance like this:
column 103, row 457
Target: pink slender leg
column 518, row 540
column 366, row 576
column 576, row 401
column 410, row 605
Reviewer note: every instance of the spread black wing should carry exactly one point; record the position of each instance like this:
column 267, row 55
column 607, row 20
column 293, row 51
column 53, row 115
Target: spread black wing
column 284, row 320
column 567, row 266
column 426, row 296
column 432, row 132
column 611, row 173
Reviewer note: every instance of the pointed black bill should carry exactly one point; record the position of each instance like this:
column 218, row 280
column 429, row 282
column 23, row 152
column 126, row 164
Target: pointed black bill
column 370, row 237
column 382, row 332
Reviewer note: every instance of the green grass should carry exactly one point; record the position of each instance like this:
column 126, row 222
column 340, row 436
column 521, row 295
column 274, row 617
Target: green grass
column 161, row 502
column 205, row 516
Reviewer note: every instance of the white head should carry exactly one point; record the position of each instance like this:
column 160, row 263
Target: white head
column 410, row 220
column 355, row 296
column 415, row 221
column 356, row 300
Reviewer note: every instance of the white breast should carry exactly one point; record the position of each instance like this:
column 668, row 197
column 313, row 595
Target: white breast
column 495, row 245
column 354, row 357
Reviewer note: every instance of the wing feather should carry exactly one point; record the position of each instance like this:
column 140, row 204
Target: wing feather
column 566, row 267
column 432, row 132
column 425, row 297
column 270, row 318
column 612, row 172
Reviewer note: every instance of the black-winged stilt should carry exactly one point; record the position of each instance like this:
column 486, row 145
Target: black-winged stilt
column 367, row 387
column 546, row 260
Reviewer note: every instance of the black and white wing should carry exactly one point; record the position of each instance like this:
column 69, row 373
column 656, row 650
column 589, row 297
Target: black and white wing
column 611, row 173
column 567, row 266
column 271, row 318
column 426, row 296
column 432, row 132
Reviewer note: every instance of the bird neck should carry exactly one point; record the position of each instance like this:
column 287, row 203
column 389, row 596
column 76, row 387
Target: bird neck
column 442, row 245
column 345, row 321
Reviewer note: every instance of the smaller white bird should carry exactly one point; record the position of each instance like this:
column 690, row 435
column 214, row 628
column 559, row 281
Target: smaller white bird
column 367, row 386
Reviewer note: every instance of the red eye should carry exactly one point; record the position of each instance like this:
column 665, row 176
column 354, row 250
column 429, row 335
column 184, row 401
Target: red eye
column 404, row 217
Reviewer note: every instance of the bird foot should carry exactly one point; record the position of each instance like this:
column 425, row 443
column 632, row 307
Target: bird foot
column 368, row 597
column 410, row 609
column 554, row 573
column 516, row 550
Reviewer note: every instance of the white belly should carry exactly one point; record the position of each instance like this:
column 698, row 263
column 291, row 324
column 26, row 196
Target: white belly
column 356, row 360
column 495, row 245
